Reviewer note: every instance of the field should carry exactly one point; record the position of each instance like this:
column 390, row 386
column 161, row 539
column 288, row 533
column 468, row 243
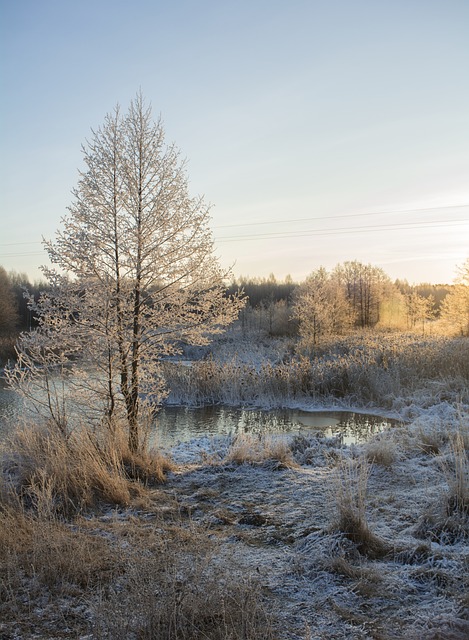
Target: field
column 279, row 538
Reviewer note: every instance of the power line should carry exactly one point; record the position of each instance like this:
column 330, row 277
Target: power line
column 21, row 255
column 310, row 219
column 344, row 215
column 14, row 244
column 344, row 230
column 308, row 232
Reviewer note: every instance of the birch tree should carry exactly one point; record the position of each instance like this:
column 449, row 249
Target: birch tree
column 321, row 308
column 419, row 310
column 365, row 287
column 134, row 275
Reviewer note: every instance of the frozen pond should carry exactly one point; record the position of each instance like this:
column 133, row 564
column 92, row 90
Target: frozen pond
column 181, row 424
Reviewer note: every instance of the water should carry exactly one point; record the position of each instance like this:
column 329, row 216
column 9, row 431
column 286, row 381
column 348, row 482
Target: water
column 181, row 424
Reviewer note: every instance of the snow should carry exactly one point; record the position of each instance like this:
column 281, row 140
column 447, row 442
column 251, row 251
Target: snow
column 278, row 521
column 322, row 584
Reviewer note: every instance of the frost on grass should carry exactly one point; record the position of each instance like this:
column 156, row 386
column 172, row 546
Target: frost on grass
column 289, row 527
column 343, row 541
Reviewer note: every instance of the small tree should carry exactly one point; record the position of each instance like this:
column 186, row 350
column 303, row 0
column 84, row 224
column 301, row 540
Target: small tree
column 455, row 307
column 134, row 277
column 419, row 310
column 8, row 307
column 365, row 287
column 321, row 308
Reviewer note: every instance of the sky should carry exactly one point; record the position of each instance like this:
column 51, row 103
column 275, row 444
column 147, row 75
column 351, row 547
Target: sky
column 321, row 132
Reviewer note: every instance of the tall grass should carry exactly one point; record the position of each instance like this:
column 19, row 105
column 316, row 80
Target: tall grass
column 63, row 563
column 366, row 368
column 118, row 580
column 350, row 494
column 248, row 449
column 54, row 473
column 458, row 478
column 447, row 520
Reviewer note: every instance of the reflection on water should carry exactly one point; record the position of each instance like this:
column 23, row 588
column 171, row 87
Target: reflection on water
column 179, row 424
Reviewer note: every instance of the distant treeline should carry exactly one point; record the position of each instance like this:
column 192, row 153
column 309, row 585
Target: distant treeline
column 263, row 291
column 355, row 294
column 269, row 301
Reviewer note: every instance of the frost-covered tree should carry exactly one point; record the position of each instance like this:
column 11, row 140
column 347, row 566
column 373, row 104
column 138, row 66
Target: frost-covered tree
column 133, row 276
column 8, row 306
column 419, row 310
column 365, row 286
column 455, row 307
column 321, row 308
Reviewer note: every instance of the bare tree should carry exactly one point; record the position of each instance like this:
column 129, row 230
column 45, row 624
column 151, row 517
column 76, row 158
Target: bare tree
column 419, row 310
column 134, row 275
column 365, row 287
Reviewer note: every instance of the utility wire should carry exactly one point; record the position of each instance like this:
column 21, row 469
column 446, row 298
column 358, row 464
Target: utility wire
column 308, row 232
column 344, row 215
column 344, row 230
column 315, row 218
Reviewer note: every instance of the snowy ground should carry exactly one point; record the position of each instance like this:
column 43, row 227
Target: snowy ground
column 277, row 523
column 276, row 518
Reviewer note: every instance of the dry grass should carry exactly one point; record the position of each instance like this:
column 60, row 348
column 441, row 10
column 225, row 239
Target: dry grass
column 365, row 580
column 371, row 367
column 57, row 474
column 447, row 522
column 350, row 494
column 431, row 442
column 51, row 551
column 120, row 579
column 458, row 478
column 382, row 452
column 146, row 576
column 180, row 592
column 249, row 449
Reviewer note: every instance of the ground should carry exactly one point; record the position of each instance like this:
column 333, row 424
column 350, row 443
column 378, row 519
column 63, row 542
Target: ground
column 279, row 524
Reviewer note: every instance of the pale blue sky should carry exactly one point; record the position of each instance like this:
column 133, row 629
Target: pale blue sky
column 300, row 116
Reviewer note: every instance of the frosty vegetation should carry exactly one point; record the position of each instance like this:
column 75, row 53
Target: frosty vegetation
column 241, row 538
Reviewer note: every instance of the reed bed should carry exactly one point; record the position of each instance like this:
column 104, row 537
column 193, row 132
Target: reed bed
column 363, row 368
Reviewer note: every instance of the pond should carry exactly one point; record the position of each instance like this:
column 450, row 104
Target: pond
column 181, row 424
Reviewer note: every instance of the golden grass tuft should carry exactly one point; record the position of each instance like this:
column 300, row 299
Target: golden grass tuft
column 350, row 487
column 458, row 478
column 54, row 473
column 382, row 452
column 249, row 449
